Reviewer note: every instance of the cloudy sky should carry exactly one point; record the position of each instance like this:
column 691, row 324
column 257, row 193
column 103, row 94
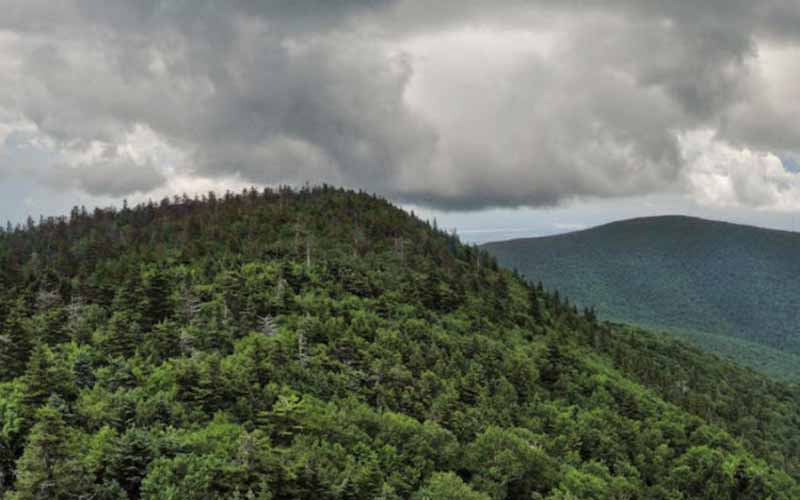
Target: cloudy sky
column 500, row 118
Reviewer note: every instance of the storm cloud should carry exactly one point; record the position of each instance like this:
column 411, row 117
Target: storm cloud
column 449, row 104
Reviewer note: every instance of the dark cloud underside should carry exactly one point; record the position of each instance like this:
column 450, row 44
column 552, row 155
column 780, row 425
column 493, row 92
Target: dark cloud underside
column 457, row 105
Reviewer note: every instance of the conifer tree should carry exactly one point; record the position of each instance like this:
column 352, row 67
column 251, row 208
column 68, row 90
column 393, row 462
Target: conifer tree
column 131, row 455
column 45, row 471
column 130, row 297
column 15, row 342
column 84, row 376
column 42, row 378
column 535, row 306
column 157, row 306
column 12, row 429
column 122, row 336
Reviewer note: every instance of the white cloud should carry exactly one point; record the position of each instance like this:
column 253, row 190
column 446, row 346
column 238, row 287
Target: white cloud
column 720, row 175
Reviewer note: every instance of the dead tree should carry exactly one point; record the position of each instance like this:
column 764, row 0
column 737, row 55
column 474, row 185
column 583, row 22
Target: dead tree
column 268, row 325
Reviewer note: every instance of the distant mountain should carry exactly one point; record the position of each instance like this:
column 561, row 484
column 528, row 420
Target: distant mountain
column 734, row 289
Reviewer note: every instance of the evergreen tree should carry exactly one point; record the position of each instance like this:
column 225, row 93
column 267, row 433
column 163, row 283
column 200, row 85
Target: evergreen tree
column 447, row 486
column 45, row 471
column 15, row 341
column 12, row 430
column 84, row 375
column 535, row 306
column 131, row 455
column 130, row 297
column 40, row 380
column 122, row 336
column 157, row 304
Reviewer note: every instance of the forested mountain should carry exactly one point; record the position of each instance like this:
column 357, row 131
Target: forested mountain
column 733, row 289
column 325, row 344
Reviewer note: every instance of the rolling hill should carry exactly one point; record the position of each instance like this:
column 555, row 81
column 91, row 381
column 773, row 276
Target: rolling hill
column 324, row 344
column 733, row 289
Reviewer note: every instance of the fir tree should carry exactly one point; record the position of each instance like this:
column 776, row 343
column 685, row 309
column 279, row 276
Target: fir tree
column 157, row 304
column 15, row 341
column 122, row 336
column 45, row 471
column 40, row 382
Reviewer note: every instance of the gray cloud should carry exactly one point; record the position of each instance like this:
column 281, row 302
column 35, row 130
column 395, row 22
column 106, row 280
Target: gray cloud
column 114, row 177
column 456, row 105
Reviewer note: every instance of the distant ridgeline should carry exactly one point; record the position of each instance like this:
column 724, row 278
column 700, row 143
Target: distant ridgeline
column 325, row 344
column 733, row 289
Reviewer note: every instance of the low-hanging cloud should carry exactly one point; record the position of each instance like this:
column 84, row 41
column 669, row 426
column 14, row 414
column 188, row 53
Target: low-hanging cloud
column 456, row 105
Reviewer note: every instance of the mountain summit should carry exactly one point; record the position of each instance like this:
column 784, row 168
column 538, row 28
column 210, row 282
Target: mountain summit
column 325, row 344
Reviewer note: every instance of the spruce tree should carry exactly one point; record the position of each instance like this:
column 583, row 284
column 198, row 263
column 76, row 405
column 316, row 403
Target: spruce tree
column 128, row 464
column 15, row 342
column 45, row 471
column 39, row 381
column 84, row 376
column 122, row 335
column 535, row 306
column 13, row 430
column 157, row 306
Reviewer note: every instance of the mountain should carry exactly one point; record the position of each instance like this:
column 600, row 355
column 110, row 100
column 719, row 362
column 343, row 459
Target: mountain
column 323, row 343
column 732, row 288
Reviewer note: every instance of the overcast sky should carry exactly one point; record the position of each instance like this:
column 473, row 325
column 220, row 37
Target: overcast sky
column 500, row 118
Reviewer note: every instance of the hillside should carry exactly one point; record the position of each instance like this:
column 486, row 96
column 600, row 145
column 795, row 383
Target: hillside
column 325, row 344
column 705, row 280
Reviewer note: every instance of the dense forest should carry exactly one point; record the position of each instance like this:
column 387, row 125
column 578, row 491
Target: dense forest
column 731, row 289
column 323, row 343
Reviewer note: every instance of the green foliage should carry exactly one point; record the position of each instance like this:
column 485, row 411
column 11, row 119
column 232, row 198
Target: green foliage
column 15, row 340
column 447, row 486
column 46, row 469
column 731, row 289
column 12, row 429
column 324, row 344
column 510, row 463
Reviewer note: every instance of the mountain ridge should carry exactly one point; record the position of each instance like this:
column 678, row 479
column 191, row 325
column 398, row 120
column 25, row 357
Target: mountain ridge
column 323, row 343
column 647, row 219
column 675, row 272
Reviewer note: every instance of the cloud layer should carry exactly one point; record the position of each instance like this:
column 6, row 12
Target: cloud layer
column 456, row 105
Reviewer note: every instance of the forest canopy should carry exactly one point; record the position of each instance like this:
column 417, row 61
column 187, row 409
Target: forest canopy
column 322, row 343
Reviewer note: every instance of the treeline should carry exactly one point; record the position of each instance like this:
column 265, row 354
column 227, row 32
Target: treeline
column 322, row 343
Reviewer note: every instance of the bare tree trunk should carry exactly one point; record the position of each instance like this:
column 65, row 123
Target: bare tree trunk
column 308, row 252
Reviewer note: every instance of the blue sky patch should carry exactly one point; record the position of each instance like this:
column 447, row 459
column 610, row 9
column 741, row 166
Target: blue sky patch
column 791, row 164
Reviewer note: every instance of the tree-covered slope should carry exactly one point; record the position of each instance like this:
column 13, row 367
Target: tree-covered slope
column 325, row 344
column 708, row 279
